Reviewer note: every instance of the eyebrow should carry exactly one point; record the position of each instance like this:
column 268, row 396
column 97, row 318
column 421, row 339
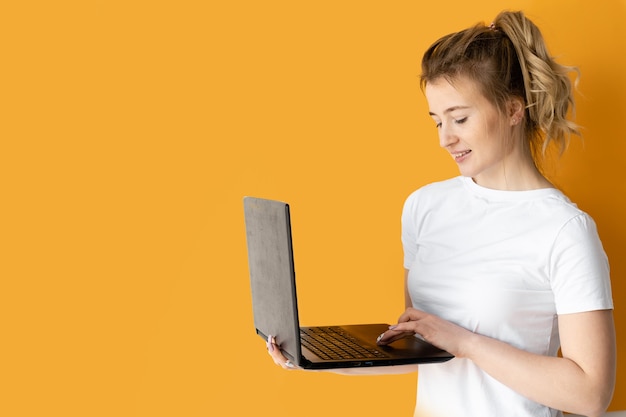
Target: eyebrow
column 451, row 109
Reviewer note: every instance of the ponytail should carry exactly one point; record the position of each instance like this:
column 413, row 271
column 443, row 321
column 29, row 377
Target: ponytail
column 548, row 90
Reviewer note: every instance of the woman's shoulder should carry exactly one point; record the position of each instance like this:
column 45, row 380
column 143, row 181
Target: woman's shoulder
column 433, row 195
column 559, row 203
column 436, row 189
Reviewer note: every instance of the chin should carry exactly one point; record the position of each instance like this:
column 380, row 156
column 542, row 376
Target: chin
column 467, row 172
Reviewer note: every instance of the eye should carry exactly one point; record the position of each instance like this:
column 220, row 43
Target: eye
column 460, row 121
column 438, row 125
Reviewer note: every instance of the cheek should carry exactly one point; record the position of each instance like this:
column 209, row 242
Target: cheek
column 494, row 135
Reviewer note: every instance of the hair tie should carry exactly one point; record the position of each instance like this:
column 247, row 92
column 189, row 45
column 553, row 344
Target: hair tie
column 493, row 27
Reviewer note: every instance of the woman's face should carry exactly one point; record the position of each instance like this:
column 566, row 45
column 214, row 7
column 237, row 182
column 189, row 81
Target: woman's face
column 472, row 130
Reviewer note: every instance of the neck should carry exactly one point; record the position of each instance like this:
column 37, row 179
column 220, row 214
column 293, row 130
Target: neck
column 516, row 172
column 515, row 182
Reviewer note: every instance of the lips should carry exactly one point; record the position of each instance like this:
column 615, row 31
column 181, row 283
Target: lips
column 460, row 155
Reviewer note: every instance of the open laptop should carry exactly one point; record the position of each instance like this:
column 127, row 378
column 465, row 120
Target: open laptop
column 275, row 307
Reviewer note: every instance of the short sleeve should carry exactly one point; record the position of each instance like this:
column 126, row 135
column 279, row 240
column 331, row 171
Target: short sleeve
column 579, row 268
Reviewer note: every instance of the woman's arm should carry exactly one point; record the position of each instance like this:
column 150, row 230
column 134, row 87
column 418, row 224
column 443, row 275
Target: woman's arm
column 581, row 381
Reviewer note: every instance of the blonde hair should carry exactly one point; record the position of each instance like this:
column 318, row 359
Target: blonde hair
column 509, row 59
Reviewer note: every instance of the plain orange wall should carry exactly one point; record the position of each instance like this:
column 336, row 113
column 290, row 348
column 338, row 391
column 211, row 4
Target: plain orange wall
column 131, row 130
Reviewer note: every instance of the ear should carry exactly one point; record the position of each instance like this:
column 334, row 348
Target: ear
column 516, row 110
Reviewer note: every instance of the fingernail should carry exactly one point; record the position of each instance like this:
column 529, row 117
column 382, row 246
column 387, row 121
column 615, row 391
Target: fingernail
column 392, row 327
column 380, row 337
column 270, row 343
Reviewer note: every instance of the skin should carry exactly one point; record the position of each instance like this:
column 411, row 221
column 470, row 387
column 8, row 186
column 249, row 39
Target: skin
column 488, row 146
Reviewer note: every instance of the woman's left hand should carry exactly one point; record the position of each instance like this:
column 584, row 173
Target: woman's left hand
column 433, row 329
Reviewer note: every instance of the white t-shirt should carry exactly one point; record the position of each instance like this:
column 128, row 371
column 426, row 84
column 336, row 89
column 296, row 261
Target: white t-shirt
column 501, row 264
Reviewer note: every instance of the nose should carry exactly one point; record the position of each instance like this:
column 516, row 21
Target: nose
column 446, row 136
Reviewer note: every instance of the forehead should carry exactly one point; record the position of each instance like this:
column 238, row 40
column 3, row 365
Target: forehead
column 443, row 94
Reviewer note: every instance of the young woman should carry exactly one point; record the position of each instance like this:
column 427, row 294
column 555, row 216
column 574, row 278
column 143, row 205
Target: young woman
column 502, row 269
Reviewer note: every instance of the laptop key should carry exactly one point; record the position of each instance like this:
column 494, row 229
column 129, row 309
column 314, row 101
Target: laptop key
column 334, row 343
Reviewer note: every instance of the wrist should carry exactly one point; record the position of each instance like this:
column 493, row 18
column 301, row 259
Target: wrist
column 470, row 345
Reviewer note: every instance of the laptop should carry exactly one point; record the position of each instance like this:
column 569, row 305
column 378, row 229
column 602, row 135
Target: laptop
column 275, row 305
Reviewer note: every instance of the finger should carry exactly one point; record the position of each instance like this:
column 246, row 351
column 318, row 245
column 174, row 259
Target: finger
column 270, row 344
column 411, row 314
column 275, row 352
column 404, row 327
column 392, row 335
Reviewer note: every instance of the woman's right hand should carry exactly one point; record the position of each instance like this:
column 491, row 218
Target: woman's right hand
column 276, row 353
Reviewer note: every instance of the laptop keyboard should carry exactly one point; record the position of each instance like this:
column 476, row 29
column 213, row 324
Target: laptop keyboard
column 334, row 343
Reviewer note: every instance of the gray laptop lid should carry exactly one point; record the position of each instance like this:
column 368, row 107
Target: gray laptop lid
column 274, row 304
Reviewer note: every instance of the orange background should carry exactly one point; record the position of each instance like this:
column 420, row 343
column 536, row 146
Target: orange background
column 131, row 130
